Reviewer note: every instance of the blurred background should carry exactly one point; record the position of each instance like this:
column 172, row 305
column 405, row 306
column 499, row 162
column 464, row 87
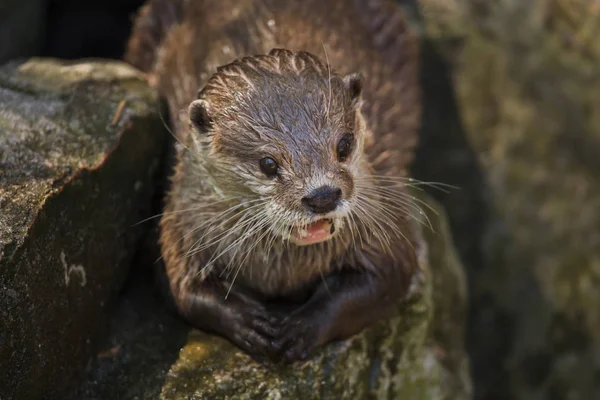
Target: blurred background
column 512, row 117
column 65, row 28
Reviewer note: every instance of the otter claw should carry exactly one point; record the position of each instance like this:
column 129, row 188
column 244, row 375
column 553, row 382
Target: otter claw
column 265, row 327
column 298, row 351
column 266, row 316
column 253, row 342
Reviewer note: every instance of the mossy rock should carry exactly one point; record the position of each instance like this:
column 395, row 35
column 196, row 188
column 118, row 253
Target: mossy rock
column 80, row 145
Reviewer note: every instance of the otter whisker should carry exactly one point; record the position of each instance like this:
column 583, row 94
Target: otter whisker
column 397, row 202
column 386, row 213
column 377, row 215
column 386, row 194
column 234, row 247
column 275, row 231
column 218, row 237
column 399, row 177
column 194, row 248
column 234, row 257
column 377, row 209
column 394, row 192
column 363, row 220
column 405, row 181
column 243, row 237
column 406, row 206
column 390, row 204
column 376, row 228
column 241, row 264
column 242, row 231
column 215, row 255
column 347, row 221
column 217, row 215
column 357, row 228
column 269, row 226
column 377, row 232
column 186, row 210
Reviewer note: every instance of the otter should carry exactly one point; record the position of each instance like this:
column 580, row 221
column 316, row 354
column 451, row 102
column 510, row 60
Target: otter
column 287, row 224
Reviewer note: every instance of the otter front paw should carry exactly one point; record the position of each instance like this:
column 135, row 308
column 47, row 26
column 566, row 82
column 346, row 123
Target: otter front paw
column 299, row 335
column 240, row 318
column 255, row 332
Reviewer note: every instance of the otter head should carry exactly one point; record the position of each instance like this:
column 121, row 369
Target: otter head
column 284, row 132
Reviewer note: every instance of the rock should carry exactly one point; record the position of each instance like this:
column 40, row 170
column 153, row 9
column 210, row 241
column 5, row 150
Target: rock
column 80, row 144
column 418, row 354
column 518, row 132
column 22, row 25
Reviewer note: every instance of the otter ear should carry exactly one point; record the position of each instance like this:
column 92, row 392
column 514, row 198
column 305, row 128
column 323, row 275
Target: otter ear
column 354, row 84
column 199, row 115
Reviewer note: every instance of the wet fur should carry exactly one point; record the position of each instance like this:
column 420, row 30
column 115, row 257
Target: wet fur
column 295, row 107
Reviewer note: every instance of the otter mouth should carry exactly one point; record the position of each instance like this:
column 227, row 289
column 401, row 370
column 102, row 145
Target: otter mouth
column 315, row 232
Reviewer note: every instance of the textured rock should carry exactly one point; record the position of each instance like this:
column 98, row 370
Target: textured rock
column 79, row 147
column 521, row 137
column 416, row 355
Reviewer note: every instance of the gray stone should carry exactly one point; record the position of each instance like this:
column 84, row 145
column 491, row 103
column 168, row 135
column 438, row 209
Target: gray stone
column 418, row 354
column 520, row 135
column 80, row 144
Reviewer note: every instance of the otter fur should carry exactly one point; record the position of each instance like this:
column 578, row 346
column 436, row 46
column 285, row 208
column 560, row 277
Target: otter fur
column 287, row 224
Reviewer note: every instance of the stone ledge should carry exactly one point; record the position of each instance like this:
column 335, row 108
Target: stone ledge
column 80, row 144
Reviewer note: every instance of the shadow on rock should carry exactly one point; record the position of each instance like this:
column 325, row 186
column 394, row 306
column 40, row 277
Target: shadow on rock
column 144, row 342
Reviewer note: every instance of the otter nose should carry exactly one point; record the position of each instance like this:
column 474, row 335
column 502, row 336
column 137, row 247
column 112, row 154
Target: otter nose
column 323, row 199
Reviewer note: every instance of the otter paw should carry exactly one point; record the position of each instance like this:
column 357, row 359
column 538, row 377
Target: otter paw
column 266, row 325
column 256, row 333
column 297, row 340
column 253, row 342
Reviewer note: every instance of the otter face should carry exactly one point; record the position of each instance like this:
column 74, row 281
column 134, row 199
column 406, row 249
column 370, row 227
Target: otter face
column 286, row 132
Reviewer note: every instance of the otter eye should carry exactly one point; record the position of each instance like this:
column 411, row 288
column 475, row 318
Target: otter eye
column 344, row 147
column 268, row 166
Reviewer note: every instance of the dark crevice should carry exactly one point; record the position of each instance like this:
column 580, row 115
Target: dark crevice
column 92, row 28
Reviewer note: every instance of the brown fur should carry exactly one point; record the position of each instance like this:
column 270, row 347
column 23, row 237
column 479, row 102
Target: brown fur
column 294, row 106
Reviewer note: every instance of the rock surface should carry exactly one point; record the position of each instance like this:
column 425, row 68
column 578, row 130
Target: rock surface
column 512, row 93
column 417, row 355
column 80, row 144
